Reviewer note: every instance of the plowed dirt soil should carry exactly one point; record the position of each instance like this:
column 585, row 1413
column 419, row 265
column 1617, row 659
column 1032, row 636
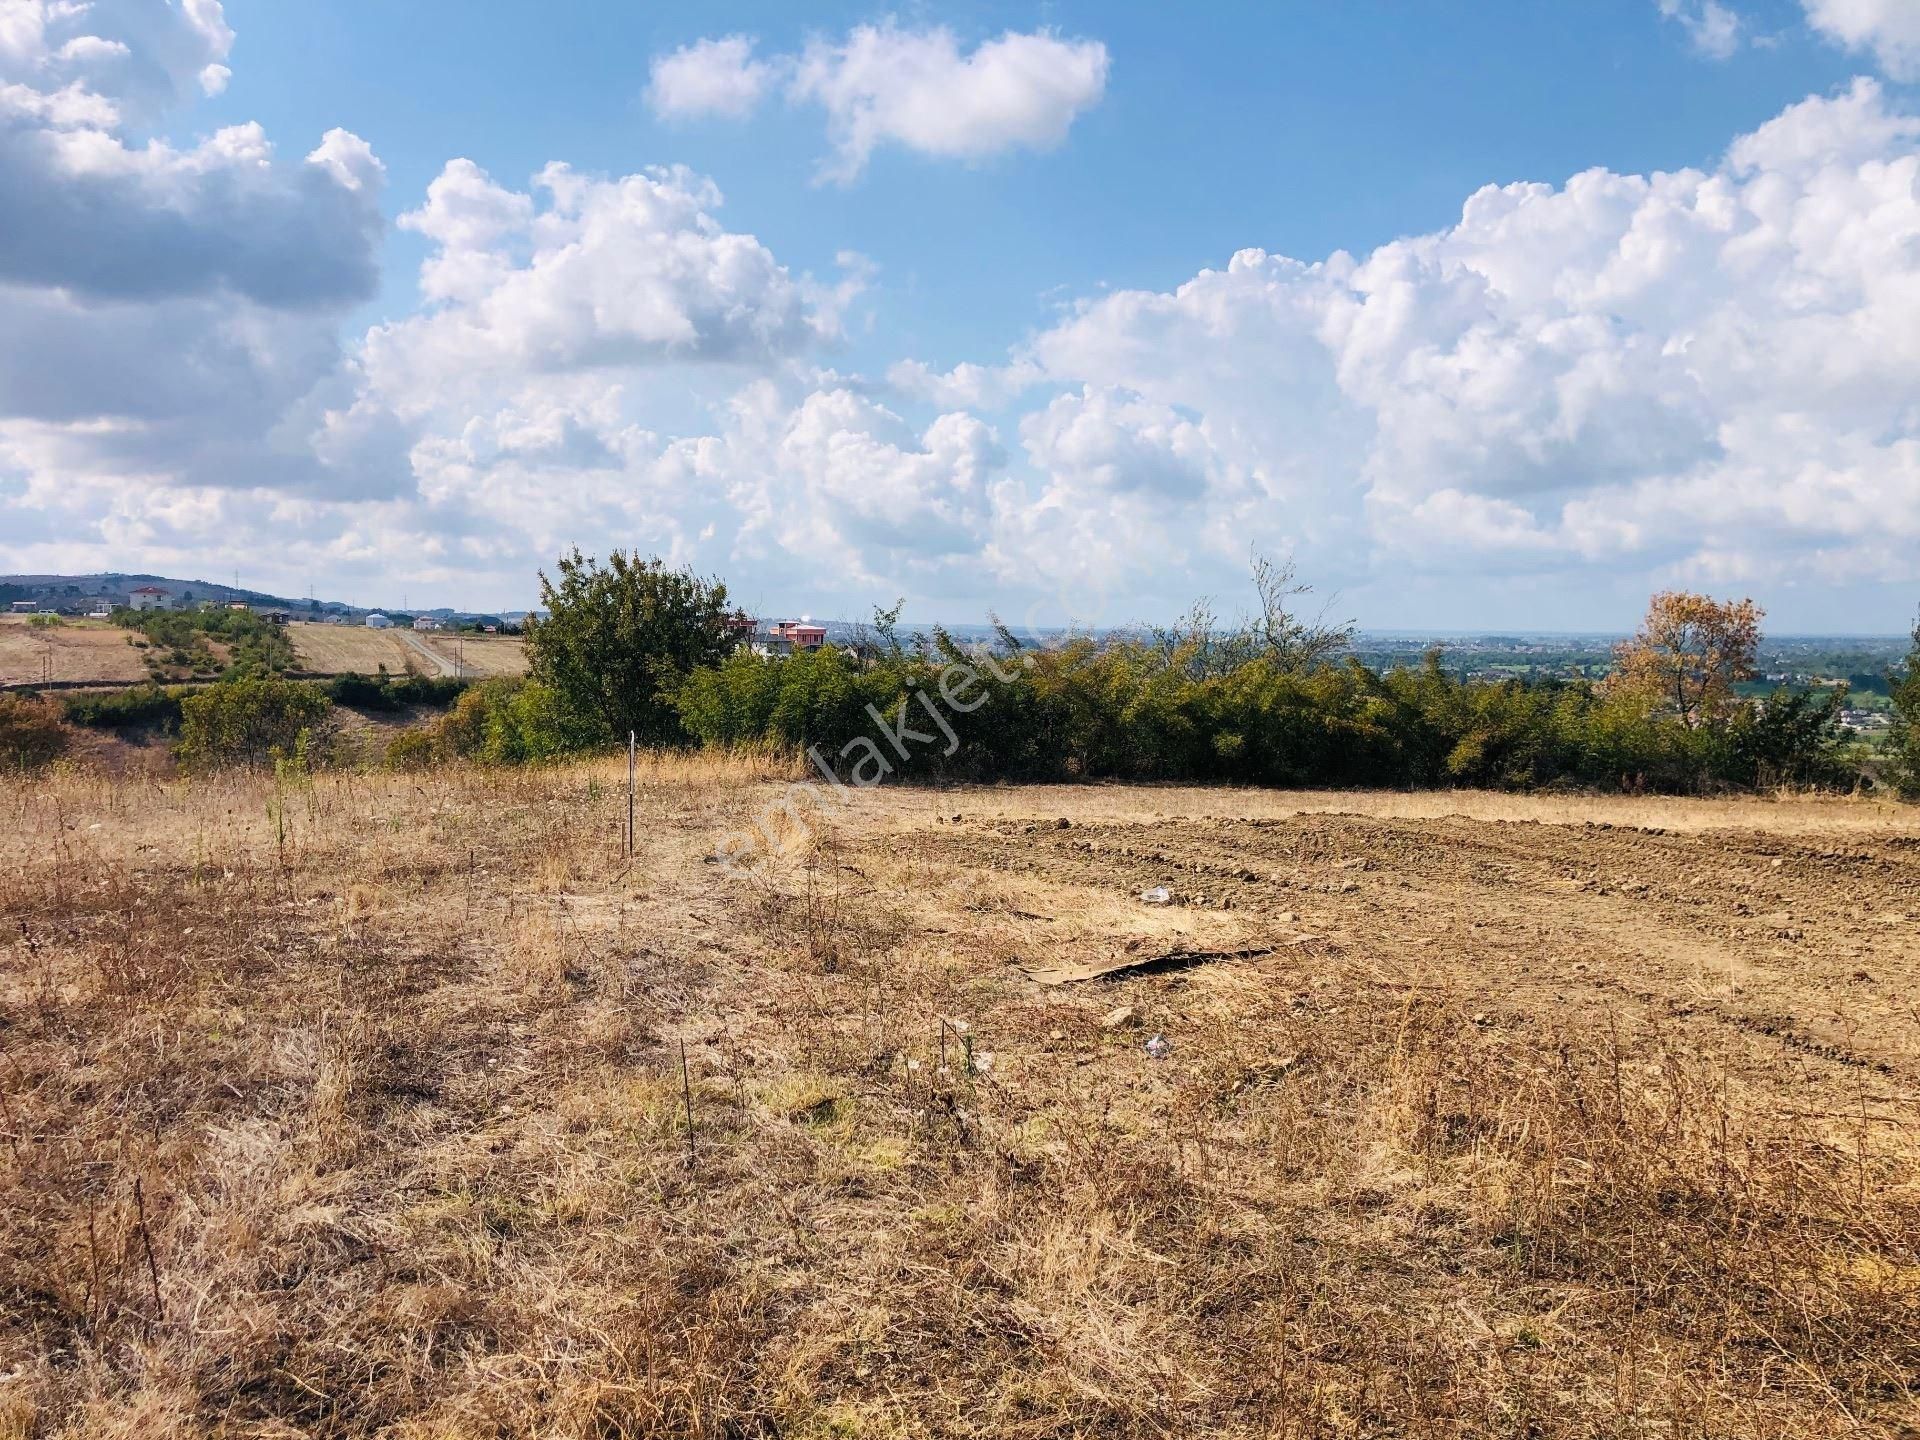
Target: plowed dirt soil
column 1795, row 953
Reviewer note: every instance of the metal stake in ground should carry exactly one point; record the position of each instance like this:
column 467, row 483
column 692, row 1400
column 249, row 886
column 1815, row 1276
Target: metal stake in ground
column 630, row 767
column 686, row 1091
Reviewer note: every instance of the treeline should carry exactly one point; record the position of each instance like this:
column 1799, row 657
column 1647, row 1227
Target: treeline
column 161, row 708
column 242, row 719
column 1127, row 711
column 635, row 648
column 1274, row 699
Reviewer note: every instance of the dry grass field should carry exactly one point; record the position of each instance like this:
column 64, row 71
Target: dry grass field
column 340, row 649
column 359, row 1110
column 80, row 650
column 479, row 657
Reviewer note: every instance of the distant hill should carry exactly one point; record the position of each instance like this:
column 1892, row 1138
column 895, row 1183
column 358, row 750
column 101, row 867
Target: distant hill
column 81, row 592
column 115, row 585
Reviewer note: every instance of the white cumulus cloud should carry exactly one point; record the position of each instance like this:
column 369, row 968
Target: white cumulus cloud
column 709, row 77
column 1714, row 29
column 95, row 211
column 887, row 84
column 1702, row 376
column 1887, row 29
column 1685, row 374
column 169, row 309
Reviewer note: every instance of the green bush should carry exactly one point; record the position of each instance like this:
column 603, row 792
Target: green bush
column 31, row 735
column 511, row 722
column 412, row 750
column 435, row 692
column 617, row 642
column 361, row 692
column 1903, row 744
column 1139, row 710
column 384, row 692
column 1791, row 739
column 142, row 706
column 243, row 722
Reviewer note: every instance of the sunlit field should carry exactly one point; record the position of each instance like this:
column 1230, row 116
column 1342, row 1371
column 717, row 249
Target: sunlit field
column 411, row 1105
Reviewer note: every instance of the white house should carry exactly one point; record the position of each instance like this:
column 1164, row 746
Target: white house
column 150, row 597
column 426, row 622
column 377, row 621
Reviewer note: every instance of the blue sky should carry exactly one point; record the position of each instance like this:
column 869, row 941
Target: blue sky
column 394, row 358
column 1300, row 128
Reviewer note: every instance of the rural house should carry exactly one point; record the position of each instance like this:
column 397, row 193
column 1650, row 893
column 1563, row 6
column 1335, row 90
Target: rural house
column 799, row 634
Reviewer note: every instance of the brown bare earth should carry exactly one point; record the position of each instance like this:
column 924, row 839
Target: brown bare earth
column 359, row 1109
column 341, row 649
column 79, row 650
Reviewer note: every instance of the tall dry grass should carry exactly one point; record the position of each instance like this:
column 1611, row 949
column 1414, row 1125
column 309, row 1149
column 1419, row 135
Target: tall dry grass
column 357, row 1107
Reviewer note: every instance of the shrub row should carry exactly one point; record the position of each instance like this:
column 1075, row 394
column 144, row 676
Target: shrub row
column 388, row 692
column 1128, row 710
column 142, row 706
column 1132, row 711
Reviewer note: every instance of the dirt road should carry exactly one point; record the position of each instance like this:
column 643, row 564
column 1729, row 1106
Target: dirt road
column 438, row 664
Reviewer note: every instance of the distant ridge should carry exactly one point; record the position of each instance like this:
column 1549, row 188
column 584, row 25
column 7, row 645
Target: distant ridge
column 112, row 583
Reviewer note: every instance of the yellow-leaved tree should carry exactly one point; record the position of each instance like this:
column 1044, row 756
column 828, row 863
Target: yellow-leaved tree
column 1689, row 653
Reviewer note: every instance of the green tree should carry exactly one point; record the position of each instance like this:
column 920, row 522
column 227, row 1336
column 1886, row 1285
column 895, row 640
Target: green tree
column 1903, row 745
column 618, row 642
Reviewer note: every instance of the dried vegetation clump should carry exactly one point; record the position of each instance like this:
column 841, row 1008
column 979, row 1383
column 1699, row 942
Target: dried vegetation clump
column 408, row 1105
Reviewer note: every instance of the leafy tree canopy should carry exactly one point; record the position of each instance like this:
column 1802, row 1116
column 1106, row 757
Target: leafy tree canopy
column 619, row 640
